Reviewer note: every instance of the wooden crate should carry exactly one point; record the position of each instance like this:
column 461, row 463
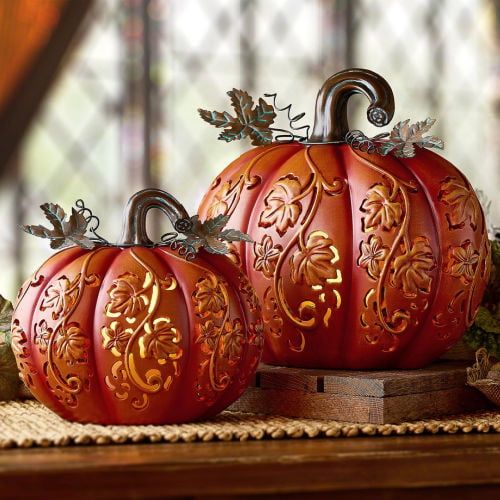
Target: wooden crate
column 362, row 396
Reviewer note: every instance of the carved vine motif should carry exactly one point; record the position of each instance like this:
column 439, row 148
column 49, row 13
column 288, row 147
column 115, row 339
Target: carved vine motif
column 137, row 332
column 471, row 267
column 462, row 203
column 464, row 262
column 406, row 264
column 248, row 292
column 228, row 196
column 314, row 257
column 19, row 343
column 222, row 339
column 284, row 205
column 271, row 313
column 64, row 342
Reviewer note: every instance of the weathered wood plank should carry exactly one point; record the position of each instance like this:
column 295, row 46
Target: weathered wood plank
column 362, row 396
column 360, row 409
column 381, row 383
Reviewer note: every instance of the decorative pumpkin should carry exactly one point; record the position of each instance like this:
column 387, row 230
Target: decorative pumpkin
column 135, row 333
column 367, row 253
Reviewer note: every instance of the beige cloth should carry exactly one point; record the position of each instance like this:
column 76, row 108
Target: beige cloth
column 28, row 423
column 480, row 377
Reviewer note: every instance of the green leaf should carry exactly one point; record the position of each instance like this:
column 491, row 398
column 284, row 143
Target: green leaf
column 251, row 120
column 485, row 331
column 6, row 310
column 10, row 382
column 487, row 322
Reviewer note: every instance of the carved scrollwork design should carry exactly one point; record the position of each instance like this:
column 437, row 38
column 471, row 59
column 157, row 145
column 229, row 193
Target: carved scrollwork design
column 59, row 338
column 405, row 264
column 20, row 347
column 314, row 258
column 137, row 332
column 222, row 338
column 227, row 197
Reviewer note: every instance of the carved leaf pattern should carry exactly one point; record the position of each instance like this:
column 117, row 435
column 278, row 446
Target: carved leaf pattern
column 58, row 297
column 463, row 262
column 126, row 296
column 382, row 211
column 281, row 206
column 71, row 343
column 266, row 256
column 249, row 292
column 161, row 341
column 209, row 296
column 208, row 336
column 18, row 339
column 42, row 335
column 233, row 339
column 233, row 254
column 373, row 255
column 313, row 265
column 462, row 202
column 256, row 331
column 411, row 269
column 220, row 203
column 116, row 337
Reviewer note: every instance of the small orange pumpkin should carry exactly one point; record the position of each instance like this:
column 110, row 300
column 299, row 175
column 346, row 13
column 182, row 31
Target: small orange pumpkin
column 134, row 333
column 361, row 260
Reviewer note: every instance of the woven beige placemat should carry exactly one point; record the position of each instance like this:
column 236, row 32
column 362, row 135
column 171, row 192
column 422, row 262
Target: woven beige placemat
column 28, row 423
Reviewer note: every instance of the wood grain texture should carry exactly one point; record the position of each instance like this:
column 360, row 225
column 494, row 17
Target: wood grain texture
column 393, row 467
column 377, row 397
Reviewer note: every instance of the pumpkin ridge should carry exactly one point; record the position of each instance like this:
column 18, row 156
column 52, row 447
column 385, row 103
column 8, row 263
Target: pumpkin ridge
column 276, row 166
column 439, row 264
column 243, row 313
column 110, row 412
column 347, row 319
column 163, row 255
column 35, row 354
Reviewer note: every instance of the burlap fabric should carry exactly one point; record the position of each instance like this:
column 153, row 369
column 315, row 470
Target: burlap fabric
column 480, row 377
column 28, row 423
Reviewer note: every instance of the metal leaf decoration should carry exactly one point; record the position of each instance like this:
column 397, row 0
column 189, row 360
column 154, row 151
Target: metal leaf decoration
column 210, row 235
column 250, row 121
column 404, row 137
column 400, row 142
column 64, row 232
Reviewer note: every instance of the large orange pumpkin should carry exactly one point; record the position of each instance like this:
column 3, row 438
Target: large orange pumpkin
column 135, row 333
column 360, row 260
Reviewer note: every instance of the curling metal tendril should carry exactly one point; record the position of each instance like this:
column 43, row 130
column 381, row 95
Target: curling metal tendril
column 289, row 135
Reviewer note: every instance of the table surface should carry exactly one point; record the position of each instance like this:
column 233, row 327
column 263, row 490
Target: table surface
column 465, row 466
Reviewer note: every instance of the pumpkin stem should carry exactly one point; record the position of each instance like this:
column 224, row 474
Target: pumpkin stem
column 330, row 121
column 134, row 220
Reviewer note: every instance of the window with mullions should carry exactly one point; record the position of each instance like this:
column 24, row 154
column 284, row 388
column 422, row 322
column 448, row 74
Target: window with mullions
column 123, row 114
